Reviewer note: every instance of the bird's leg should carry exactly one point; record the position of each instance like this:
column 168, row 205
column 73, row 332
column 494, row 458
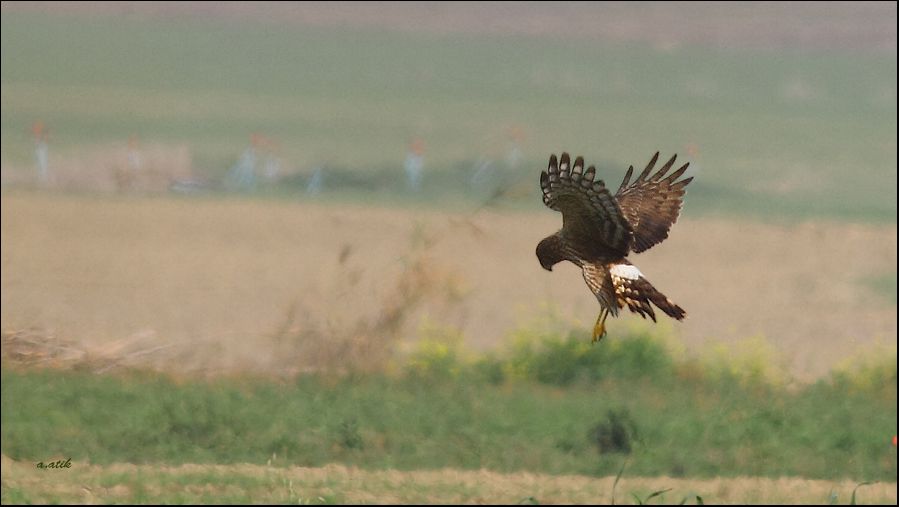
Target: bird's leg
column 599, row 329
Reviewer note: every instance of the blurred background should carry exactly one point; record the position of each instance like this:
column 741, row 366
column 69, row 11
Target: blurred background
column 279, row 188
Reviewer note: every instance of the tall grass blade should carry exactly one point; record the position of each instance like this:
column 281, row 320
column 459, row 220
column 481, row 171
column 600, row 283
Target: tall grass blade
column 867, row 483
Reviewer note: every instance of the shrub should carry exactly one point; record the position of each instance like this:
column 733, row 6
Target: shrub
column 615, row 433
column 557, row 360
column 438, row 355
column 871, row 370
column 751, row 363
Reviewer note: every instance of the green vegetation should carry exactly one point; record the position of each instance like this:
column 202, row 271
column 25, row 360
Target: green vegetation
column 774, row 133
column 551, row 404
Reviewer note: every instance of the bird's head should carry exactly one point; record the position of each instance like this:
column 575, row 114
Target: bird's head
column 549, row 252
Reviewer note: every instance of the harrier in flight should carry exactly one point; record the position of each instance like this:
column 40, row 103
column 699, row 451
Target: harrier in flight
column 600, row 229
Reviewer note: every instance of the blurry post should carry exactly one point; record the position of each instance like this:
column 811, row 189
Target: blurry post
column 39, row 133
column 314, row 186
column 134, row 156
column 515, row 155
column 414, row 164
column 271, row 168
column 243, row 174
column 483, row 168
column 125, row 179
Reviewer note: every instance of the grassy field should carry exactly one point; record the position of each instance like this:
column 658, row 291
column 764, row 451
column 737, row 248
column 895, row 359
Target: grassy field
column 550, row 404
column 775, row 133
column 550, row 420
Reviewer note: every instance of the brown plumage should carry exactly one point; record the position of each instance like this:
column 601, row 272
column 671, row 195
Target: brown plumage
column 600, row 229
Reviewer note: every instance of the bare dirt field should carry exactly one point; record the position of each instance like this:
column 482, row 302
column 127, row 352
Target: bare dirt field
column 220, row 276
column 84, row 483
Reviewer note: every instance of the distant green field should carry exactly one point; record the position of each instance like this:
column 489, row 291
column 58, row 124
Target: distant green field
column 788, row 134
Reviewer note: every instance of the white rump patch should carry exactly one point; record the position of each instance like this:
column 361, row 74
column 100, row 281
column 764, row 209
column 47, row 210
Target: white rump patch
column 628, row 271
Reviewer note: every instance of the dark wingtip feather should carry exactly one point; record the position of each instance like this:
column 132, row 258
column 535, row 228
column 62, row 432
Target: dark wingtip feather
column 648, row 169
column 627, row 178
column 676, row 174
column 658, row 176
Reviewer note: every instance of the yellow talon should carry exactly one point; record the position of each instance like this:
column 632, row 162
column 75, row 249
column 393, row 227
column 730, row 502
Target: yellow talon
column 599, row 329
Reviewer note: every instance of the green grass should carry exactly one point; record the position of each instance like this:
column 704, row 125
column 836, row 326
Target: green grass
column 557, row 408
column 779, row 133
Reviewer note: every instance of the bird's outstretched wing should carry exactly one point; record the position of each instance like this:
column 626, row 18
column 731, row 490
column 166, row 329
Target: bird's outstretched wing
column 652, row 204
column 590, row 215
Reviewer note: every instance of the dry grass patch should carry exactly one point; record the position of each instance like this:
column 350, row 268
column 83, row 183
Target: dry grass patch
column 85, row 483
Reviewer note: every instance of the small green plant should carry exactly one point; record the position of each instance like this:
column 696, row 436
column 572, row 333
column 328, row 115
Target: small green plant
column 650, row 497
column 617, row 478
column 615, row 433
column 348, row 436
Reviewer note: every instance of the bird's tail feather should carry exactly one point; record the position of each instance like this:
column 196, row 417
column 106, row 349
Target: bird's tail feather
column 637, row 293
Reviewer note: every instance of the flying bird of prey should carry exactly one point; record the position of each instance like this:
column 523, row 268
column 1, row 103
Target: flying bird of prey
column 599, row 230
